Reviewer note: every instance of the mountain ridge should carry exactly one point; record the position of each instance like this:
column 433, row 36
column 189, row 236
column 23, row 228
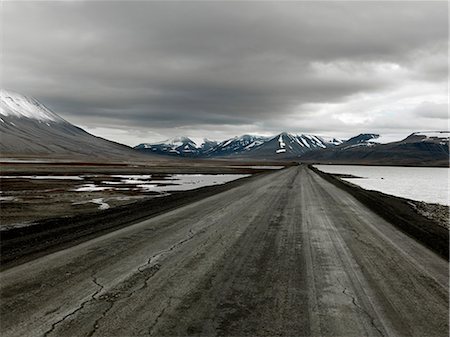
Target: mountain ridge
column 284, row 144
column 28, row 128
column 418, row 148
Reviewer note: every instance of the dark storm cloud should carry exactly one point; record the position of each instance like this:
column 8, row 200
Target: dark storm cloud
column 156, row 65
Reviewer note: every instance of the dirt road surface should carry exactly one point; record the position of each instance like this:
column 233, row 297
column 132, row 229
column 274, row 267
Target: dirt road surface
column 287, row 254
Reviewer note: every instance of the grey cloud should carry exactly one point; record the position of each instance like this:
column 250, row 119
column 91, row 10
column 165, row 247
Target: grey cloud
column 155, row 64
column 432, row 110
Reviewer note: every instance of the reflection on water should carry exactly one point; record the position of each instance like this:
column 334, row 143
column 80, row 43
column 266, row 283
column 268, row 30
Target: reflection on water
column 429, row 184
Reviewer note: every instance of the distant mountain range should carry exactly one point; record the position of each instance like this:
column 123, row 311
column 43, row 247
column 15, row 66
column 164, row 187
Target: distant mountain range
column 283, row 145
column 29, row 128
column 429, row 148
column 180, row 146
column 420, row 148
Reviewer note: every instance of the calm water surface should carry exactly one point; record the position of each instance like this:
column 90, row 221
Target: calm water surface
column 429, row 184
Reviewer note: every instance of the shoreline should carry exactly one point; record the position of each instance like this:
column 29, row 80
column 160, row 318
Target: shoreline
column 407, row 215
column 23, row 244
column 372, row 164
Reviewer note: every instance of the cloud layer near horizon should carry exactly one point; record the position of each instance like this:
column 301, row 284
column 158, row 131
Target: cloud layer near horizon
column 139, row 71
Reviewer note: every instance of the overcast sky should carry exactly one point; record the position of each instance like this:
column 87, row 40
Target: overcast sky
column 143, row 71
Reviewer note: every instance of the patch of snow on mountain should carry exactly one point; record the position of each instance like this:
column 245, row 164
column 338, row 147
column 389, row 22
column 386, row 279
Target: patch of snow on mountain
column 304, row 141
column 228, row 142
column 331, row 140
column 434, row 134
column 16, row 105
column 389, row 138
column 198, row 141
column 253, row 144
column 281, row 142
column 366, row 144
column 298, row 141
column 318, row 142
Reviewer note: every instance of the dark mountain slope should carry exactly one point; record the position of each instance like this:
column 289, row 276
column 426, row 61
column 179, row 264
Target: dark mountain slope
column 29, row 128
column 420, row 148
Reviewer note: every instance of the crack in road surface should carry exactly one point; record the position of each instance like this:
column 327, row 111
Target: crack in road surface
column 354, row 302
column 155, row 322
column 80, row 307
column 158, row 255
column 152, row 266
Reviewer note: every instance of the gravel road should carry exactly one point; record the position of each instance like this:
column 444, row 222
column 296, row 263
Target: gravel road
column 287, row 254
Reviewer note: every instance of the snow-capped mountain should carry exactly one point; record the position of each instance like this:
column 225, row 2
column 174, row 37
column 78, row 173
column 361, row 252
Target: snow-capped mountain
column 363, row 139
column 283, row 145
column 430, row 148
column 287, row 145
column 438, row 137
column 178, row 146
column 27, row 127
column 237, row 145
column 183, row 146
column 207, row 145
column 420, row 148
column 13, row 105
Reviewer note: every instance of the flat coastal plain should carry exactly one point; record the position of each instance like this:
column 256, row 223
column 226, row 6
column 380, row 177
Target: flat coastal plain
column 284, row 254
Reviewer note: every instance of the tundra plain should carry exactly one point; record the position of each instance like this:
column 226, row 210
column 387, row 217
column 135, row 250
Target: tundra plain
column 281, row 253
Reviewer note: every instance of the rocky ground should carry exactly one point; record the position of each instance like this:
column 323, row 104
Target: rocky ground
column 36, row 195
column 435, row 212
column 52, row 216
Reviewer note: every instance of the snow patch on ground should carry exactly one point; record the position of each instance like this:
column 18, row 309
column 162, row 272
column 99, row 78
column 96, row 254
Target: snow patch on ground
column 43, row 177
column 91, row 188
column 132, row 176
column 260, row 167
column 15, row 225
column 25, row 161
column 8, row 199
column 99, row 201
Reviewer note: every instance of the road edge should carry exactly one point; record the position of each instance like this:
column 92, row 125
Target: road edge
column 20, row 245
column 397, row 211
